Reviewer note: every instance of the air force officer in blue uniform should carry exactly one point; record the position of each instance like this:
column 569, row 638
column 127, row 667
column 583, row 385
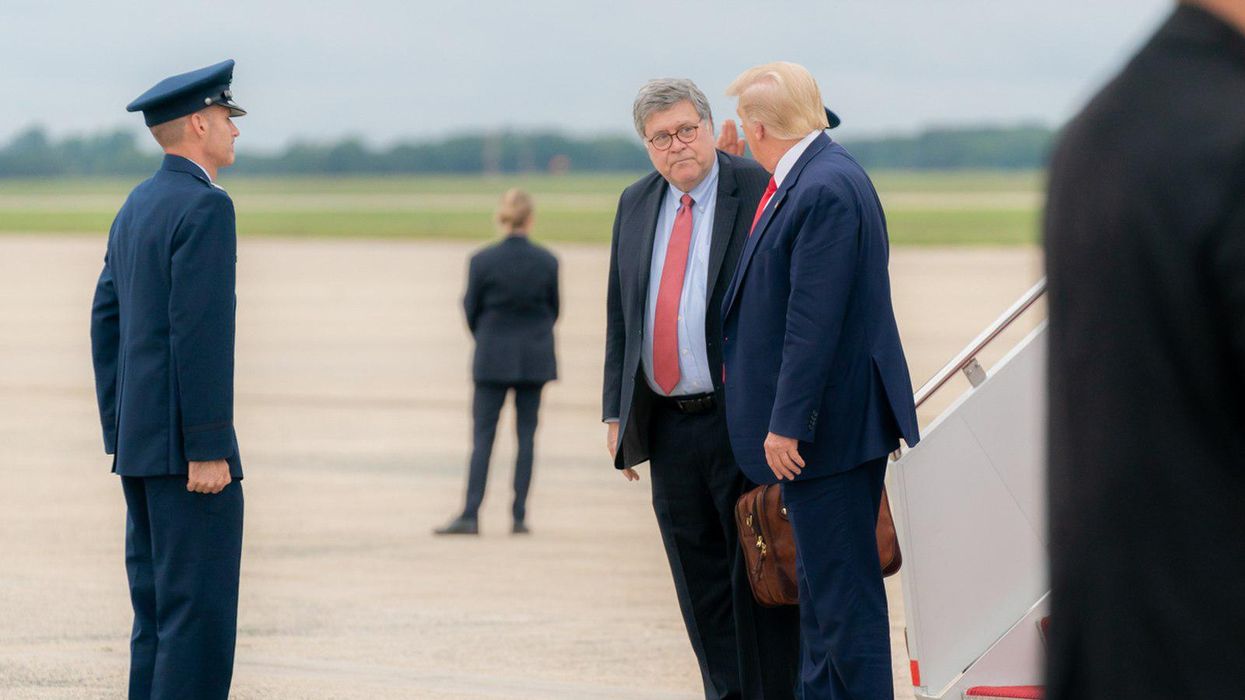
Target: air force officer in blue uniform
column 162, row 338
column 817, row 387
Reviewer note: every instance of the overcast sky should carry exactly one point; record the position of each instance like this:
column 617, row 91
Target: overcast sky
column 385, row 70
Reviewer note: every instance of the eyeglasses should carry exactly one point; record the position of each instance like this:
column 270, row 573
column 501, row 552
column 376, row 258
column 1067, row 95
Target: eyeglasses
column 665, row 139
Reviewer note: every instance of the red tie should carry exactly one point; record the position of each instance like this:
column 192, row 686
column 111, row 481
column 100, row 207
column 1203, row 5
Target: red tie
column 666, row 321
column 769, row 192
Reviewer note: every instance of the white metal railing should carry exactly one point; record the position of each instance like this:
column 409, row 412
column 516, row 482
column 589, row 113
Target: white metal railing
column 966, row 360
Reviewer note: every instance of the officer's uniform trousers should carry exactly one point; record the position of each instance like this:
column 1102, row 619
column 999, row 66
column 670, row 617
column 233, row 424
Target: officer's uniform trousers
column 182, row 553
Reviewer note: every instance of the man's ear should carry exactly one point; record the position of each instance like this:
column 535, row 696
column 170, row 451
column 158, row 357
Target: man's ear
column 198, row 124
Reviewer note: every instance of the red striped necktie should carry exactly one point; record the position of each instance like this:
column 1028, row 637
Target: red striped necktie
column 666, row 320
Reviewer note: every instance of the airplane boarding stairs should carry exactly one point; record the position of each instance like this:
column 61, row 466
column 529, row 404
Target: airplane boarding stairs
column 969, row 508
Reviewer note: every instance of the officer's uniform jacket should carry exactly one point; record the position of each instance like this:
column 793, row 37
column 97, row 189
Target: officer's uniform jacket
column 162, row 326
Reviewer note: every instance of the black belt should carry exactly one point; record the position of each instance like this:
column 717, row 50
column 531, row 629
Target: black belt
column 691, row 404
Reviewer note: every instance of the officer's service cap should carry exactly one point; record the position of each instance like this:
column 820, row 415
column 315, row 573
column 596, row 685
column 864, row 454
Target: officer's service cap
column 188, row 93
column 832, row 118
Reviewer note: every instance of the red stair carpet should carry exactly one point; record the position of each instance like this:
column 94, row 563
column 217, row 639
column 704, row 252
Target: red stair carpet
column 1009, row 692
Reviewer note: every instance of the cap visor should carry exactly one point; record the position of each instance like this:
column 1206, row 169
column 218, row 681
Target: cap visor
column 234, row 109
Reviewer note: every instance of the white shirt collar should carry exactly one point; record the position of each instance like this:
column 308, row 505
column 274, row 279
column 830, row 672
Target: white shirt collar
column 787, row 162
column 205, row 172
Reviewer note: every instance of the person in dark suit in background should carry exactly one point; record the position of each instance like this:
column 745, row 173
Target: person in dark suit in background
column 1145, row 246
column 817, row 387
column 162, row 341
column 677, row 234
column 511, row 305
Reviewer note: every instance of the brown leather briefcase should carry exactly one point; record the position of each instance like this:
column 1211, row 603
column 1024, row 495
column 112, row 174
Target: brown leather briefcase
column 769, row 545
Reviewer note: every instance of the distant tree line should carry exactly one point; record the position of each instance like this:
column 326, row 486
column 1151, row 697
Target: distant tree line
column 32, row 153
column 1013, row 148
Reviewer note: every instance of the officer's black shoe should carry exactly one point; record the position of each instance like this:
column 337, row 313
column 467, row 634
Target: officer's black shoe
column 520, row 528
column 459, row 526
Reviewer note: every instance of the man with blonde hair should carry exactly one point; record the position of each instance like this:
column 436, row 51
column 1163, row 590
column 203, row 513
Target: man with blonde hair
column 817, row 387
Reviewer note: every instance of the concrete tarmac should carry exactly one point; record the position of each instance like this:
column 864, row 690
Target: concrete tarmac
column 353, row 397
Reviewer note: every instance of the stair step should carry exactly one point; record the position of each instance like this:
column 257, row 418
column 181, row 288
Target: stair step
column 1005, row 692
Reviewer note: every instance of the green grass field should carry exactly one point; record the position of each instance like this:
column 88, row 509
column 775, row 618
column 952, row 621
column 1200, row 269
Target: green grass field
column 925, row 208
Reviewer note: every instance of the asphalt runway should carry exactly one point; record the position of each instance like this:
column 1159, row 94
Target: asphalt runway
column 353, row 393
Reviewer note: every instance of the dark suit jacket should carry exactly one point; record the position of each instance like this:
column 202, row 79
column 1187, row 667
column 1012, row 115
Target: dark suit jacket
column 511, row 305
column 162, row 326
column 812, row 349
column 626, row 394
column 1145, row 243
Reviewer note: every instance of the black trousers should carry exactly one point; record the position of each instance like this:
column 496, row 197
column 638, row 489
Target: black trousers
column 485, row 407
column 182, row 555
column 745, row 651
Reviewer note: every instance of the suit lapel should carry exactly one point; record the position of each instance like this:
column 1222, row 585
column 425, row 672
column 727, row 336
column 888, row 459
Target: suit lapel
column 750, row 247
column 724, row 214
column 646, row 216
column 771, row 210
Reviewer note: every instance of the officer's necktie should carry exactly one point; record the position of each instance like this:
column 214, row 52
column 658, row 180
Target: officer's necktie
column 666, row 320
column 770, row 189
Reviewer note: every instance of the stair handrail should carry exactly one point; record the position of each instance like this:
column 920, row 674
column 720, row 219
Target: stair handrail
column 968, row 356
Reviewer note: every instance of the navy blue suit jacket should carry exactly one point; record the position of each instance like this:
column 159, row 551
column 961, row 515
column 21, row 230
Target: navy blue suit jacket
column 511, row 305
column 162, row 326
column 811, row 347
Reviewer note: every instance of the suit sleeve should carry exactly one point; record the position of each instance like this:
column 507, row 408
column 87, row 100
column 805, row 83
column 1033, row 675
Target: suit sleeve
column 823, row 265
column 105, row 349
column 615, row 333
column 555, row 297
column 1228, row 266
column 471, row 299
column 202, row 303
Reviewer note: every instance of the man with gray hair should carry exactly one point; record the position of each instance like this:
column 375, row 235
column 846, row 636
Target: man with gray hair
column 678, row 233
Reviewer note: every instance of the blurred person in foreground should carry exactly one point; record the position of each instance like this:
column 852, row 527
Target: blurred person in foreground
column 1145, row 245
column 162, row 339
column 511, row 305
column 817, row 387
column 677, row 234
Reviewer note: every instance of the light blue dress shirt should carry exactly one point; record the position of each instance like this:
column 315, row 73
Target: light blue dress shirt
column 694, row 376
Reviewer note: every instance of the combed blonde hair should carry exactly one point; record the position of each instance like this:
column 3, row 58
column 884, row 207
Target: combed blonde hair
column 514, row 211
column 781, row 95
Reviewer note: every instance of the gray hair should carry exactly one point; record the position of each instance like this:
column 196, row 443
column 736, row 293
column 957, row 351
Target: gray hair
column 663, row 93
